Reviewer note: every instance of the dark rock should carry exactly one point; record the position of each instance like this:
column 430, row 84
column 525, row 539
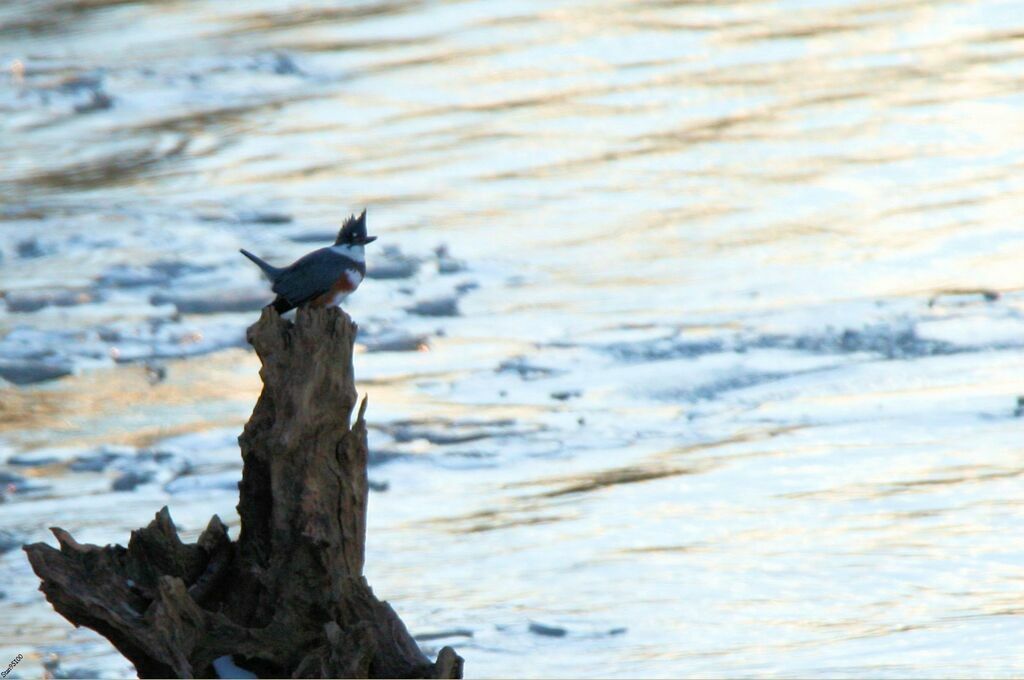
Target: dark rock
column 392, row 264
column 159, row 273
column 712, row 390
column 127, row 481
column 447, row 306
column 29, row 248
column 397, row 341
column 215, row 215
column 148, row 466
column 380, row 457
column 891, row 341
column 31, row 459
column 155, row 373
column 13, row 483
column 986, row 293
column 525, row 369
column 179, row 343
column 445, row 433
column 29, row 372
column 264, row 217
column 245, row 217
column 124, row 276
column 77, row 84
column 214, row 303
column 547, row 631
column 314, row 237
column 94, row 462
column 1019, row 411
column 98, row 101
column 73, row 298
column 442, row 634
column 175, row 268
column 565, row 395
column 33, row 301
column 377, row 486
column 285, row 65
column 21, row 303
column 450, row 266
column 887, row 341
column 278, row 63
column 10, row 479
column 664, row 348
column 392, row 270
column 410, row 434
column 446, row 264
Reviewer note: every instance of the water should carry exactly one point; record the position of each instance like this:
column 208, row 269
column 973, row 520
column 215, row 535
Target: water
column 731, row 383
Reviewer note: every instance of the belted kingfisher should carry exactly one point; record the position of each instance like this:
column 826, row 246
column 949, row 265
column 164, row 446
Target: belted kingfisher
column 324, row 277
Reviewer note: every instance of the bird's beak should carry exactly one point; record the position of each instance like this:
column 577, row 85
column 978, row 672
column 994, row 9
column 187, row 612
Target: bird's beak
column 368, row 239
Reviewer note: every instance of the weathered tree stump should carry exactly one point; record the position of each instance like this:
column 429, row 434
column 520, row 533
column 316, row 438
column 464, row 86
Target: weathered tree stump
column 288, row 598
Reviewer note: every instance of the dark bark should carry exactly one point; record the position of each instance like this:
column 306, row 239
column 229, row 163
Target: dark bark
column 288, row 598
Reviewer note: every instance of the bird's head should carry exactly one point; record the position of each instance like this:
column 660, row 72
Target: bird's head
column 353, row 232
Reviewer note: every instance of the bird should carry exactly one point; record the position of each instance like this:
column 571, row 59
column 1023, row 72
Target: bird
column 324, row 277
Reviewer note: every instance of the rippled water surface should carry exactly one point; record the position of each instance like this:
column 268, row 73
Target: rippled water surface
column 694, row 337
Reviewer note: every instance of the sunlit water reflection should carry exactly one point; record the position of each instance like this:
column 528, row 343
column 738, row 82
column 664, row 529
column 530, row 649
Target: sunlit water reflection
column 718, row 374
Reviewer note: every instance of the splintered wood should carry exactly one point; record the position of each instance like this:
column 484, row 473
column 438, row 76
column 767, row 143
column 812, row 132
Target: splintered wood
column 288, row 598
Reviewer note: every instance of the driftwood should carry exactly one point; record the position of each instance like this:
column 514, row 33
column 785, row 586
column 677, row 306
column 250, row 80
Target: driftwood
column 288, row 598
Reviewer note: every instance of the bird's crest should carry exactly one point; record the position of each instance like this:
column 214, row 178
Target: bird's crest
column 353, row 228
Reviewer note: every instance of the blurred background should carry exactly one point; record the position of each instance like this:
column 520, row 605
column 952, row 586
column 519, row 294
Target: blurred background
column 694, row 337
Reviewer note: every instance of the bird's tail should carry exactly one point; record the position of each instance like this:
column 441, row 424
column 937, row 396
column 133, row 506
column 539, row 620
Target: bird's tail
column 271, row 272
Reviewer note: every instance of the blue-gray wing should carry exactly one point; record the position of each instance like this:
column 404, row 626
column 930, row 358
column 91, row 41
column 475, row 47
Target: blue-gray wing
column 310, row 276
